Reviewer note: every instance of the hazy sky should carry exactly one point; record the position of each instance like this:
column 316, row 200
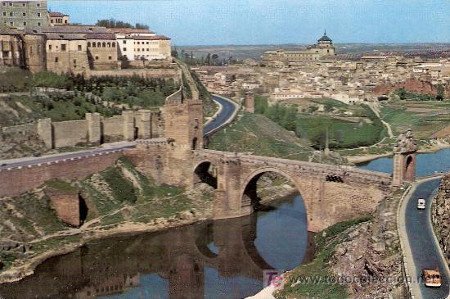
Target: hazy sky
column 219, row 22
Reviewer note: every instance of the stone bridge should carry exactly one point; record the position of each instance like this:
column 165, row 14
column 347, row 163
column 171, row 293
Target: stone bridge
column 330, row 193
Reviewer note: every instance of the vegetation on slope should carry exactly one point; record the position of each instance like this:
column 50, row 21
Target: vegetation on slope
column 361, row 128
column 424, row 117
column 261, row 136
column 312, row 280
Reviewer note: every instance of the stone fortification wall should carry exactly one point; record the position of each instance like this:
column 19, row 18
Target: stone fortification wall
column 15, row 181
column 441, row 216
column 145, row 73
column 69, row 133
column 112, row 128
column 94, row 129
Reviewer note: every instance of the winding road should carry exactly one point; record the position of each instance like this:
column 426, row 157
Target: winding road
column 224, row 116
column 227, row 111
column 421, row 249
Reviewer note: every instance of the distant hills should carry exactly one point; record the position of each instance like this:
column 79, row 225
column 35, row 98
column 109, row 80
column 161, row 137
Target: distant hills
column 242, row 52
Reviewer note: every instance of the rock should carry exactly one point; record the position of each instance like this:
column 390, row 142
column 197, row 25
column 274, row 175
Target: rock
column 353, row 234
column 341, row 250
column 379, row 247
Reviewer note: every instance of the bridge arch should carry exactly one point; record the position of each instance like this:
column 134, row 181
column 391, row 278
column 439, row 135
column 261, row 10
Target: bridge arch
column 205, row 172
column 248, row 193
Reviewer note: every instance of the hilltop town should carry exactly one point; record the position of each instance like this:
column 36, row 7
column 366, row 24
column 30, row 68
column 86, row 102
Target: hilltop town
column 318, row 71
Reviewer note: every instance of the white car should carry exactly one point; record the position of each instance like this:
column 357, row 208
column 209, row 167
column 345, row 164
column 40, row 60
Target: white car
column 421, row 204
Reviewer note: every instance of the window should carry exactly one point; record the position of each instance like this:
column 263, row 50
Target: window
column 4, row 13
column 80, row 48
column 24, row 23
column 104, row 45
column 24, row 14
column 39, row 24
column 63, row 47
column 124, row 42
column 10, row 3
column 11, row 23
column 109, row 45
column 124, row 49
column 38, row 4
column 56, row 59
column 49, row 47
column 74, row 61
column 89, row 44
column 31, row 50
column 93, row 45
column 109, row 57
column 138, row 43
column 96, row 57
column 11, row 14
column 114, row 44
column 23, row 4
column 99, row 44
column 51, row 21
column 38, row 14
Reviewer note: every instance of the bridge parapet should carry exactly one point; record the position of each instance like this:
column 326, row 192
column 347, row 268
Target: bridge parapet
column 312, row 169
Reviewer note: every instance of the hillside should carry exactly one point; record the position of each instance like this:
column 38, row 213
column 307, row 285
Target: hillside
column 256, row 134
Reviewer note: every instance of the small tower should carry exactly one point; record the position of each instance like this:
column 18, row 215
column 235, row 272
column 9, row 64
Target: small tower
column 404, row 168
column 326, row 45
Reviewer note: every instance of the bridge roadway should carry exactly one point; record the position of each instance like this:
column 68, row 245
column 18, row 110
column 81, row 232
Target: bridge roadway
column 225, row 115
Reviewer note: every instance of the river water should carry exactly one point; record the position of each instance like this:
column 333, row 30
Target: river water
column 427, row 164
column 220, row 259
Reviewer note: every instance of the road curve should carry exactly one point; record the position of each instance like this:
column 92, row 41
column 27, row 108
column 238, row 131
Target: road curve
column 224, row 116
column 422, row 250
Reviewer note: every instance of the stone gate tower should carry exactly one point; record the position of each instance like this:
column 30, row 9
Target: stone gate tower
column 404, row 168
column 183, row 121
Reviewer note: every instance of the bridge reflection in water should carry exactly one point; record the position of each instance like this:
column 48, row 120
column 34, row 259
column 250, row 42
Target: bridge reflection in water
column 220, row 259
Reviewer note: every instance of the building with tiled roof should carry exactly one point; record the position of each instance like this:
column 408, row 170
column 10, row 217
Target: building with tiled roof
column 58, row 18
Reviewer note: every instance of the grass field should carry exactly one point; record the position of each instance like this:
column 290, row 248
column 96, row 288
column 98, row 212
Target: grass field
column 424, row 117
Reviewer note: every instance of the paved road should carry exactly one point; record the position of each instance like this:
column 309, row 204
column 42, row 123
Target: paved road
column 421, row 240
column 25, row 162
column 225, row 115
column 228, row 109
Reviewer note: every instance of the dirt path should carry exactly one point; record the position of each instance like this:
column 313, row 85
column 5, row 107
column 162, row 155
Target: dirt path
column 375, row 107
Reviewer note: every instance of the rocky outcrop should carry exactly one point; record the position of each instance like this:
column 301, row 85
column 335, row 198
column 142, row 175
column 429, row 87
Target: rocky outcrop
column 441, row 216
column 369, row 259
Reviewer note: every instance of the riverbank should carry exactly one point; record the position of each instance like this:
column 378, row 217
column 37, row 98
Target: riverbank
column 431, row 148
column 25, row 267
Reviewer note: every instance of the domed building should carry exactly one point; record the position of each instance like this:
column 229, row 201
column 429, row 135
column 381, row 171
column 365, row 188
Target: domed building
column 323, row 48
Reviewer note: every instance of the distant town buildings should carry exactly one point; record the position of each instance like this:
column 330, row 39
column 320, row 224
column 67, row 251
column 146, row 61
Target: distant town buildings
column 33, row 38
column 323, row 48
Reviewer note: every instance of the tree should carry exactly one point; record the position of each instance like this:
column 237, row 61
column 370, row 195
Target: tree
column 440, row 92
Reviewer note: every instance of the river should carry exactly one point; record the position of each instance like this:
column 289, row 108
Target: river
column 427, row 163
